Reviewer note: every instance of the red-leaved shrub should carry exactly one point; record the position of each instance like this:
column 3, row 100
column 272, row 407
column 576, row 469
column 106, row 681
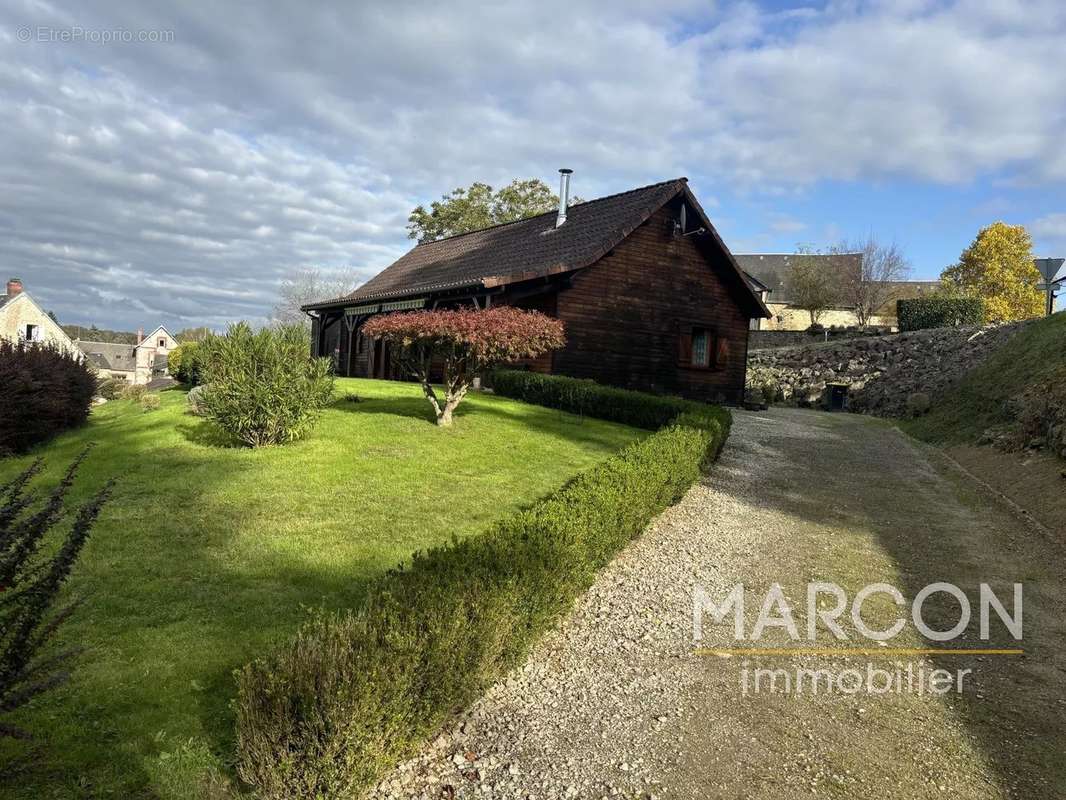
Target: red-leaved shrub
column 465, row 343
column 43, row 390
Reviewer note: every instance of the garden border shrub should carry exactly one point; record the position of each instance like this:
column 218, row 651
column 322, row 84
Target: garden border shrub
column 353, row 693
column 44, row 390
column 939, row 311
column 591, row 399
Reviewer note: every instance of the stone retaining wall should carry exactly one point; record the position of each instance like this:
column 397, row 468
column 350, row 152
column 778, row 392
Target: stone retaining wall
column 881, row 372
column 767, row 340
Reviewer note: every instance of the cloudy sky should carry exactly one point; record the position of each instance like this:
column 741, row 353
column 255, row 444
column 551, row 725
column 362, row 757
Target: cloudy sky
column 176, row 172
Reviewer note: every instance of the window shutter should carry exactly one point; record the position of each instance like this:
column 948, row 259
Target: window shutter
column 721, row 353
column 684, row 351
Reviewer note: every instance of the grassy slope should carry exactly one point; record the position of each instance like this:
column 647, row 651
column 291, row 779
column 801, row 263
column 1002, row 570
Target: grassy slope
column 205, row 555
column 977, row 402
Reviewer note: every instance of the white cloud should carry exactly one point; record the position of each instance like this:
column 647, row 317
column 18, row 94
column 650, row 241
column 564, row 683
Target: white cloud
column 184, row 180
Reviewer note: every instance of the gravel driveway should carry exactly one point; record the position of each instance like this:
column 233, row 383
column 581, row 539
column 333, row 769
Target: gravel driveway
column 617, row 703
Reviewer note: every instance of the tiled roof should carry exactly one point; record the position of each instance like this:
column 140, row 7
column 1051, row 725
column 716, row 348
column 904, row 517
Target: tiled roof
column 110, row 355
column 527, row 248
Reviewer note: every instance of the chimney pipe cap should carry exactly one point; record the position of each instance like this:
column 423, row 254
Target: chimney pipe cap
column 565, row 171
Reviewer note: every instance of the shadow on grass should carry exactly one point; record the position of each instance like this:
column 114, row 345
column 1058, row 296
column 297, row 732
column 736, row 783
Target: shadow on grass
column 552, row 422
column 204, row 432
column 863, row 477
column 168, row 618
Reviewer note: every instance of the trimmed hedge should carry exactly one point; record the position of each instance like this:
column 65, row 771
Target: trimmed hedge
column 354, row 693
column 938, row 311
column 43, row 391
column 591, row 399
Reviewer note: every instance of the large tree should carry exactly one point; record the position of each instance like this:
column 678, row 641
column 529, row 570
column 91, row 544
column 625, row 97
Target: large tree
column 465, row 343
column 307, row 286
column 813, row 283
column 998, row 267
column 869, row 284
column 479, row 206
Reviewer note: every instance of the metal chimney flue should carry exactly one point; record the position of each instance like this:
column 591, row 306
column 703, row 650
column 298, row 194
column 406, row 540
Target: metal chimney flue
column 564, row 195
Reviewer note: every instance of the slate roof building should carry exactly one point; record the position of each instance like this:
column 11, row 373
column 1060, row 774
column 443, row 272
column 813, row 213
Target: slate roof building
column 768, row 274
column 133, row 363
column 650, row 296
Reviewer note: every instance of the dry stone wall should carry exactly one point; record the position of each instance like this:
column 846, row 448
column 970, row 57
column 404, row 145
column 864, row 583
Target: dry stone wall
column 881, row 372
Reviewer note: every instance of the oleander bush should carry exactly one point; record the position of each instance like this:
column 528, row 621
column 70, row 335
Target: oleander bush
column 354, row 692
column 262, row 388
column 44, row 390
column 939, row 311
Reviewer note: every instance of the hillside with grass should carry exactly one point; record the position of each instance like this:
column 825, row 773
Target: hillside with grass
column 1035, row 355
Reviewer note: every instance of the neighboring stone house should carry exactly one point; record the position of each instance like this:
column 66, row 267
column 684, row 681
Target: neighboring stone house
column 21, row 319
column 133, row 363
column 768, row 275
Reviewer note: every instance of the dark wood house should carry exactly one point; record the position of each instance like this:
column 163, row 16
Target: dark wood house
column 650, row 296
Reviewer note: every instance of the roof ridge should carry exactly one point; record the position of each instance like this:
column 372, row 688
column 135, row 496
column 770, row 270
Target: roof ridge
column 681, row 179
column 94, row 341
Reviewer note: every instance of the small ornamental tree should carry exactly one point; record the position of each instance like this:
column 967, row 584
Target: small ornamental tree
column 465, row 343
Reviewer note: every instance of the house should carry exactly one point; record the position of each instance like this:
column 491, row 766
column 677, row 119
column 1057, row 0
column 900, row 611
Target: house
column 133, row 363
column 650, row 296
column 768, row 274
column 21, row 319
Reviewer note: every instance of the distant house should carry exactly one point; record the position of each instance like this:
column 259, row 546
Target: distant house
column 768, row 274
column 22, row 320
column 650, row 296
column 133, row 363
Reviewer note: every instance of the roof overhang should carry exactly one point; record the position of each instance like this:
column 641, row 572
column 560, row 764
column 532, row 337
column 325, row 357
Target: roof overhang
column 757, row 305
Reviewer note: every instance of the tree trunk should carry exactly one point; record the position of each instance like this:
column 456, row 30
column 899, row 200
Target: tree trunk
column 451, row 400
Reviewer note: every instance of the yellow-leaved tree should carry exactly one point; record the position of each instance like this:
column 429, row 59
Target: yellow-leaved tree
column 998, row 267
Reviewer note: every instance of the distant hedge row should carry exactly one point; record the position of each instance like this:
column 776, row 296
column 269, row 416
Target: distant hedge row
column 43, row 391
column 936, row 311
column 353, row 693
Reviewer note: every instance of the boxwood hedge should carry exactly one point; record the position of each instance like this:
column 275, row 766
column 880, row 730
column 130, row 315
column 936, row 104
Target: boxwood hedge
column 353, row 693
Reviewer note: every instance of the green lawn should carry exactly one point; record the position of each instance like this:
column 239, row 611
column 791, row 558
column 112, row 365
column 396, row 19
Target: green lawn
column 207, row 555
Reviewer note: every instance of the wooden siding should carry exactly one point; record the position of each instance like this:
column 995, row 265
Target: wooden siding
column 630, row 317
column 627, row 316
